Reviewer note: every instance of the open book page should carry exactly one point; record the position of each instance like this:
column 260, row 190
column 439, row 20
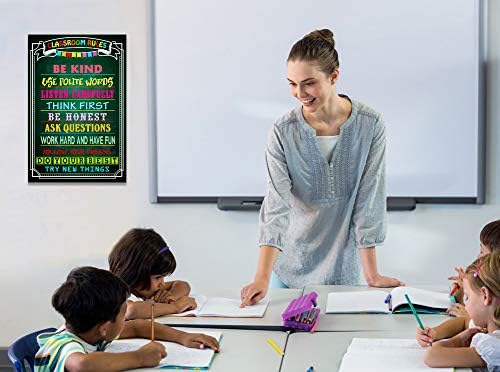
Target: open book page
column 225, row 307
column 200, row 301
column 422, row 297
column 357, row 302
column 177, row 355
column 229, row 308
column 377, row 355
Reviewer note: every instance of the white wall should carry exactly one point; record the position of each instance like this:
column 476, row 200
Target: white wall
column 48, row 229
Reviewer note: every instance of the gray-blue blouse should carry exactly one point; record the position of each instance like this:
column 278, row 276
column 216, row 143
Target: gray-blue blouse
column 318, row 213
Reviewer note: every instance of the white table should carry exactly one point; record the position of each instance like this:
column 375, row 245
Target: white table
column 325, row 350
column 368, row 322
column 279, row 299
column 244, row 350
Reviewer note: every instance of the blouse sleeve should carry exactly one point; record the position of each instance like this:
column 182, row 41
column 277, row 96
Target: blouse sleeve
column 370, row 205
column 488, row 348
column 274, row 212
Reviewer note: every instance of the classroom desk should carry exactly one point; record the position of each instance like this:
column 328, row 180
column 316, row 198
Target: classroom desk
column 244, row 350
column 368, row 322
column 279, row 299
column 325, row 350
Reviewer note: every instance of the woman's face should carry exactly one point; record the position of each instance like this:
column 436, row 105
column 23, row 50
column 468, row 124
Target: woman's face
column 311, row 86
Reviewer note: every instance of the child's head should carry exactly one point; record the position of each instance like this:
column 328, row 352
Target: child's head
column 482, row 289
column 92, row 297
column 490, row 238
column 142, row 259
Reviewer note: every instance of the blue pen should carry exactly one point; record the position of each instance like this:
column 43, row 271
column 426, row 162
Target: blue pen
column 311, row 369
column 387, row 299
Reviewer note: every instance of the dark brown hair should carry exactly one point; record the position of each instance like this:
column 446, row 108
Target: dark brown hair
column 490, row 235
column 485, row 272
column 89, row 296
column 319, row 47
column 138, row 255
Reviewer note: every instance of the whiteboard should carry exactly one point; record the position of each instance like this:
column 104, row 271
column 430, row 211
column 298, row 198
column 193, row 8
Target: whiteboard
column 219, row 83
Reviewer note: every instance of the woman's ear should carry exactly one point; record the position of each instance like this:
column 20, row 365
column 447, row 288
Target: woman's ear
column 334, row 76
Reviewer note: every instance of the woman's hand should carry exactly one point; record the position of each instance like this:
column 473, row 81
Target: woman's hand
column 253, row 293
column 381, row 281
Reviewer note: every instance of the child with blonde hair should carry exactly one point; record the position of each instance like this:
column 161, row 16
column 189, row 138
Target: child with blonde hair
column 479, row 346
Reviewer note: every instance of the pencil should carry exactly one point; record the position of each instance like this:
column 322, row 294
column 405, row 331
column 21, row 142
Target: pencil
column 152, row 322
column 414, row 312
column 275, row 347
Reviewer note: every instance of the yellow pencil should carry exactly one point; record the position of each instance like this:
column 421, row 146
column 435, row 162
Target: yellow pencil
column 275, row 347
column 152, row 322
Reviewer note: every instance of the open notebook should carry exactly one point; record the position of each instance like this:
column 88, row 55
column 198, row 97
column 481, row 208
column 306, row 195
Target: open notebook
column 374, row 301
column 381, row 355
column 178, row 356
column 225, row 307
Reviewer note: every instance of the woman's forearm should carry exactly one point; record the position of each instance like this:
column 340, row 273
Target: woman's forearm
column 267, row 257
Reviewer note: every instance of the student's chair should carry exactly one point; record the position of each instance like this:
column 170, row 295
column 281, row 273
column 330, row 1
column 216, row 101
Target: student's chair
column 24, row 349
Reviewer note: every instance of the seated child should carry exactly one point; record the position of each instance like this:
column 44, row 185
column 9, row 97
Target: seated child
column 142, row 259
column 477, row 347
column 93, row 304
column 489, row 241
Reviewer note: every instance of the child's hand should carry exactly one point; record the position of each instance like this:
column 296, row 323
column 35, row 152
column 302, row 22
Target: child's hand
column 459, row 278
column 458, row 310
column 164, row 296
column 199, row 341
column 464, row 338
column 185, row 303
column 151, row 354
column 425, row 337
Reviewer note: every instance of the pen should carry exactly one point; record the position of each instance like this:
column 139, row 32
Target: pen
column 275, row 347
column 310, row 369
column 414, row 312
column 152, row 322
column 387, row 299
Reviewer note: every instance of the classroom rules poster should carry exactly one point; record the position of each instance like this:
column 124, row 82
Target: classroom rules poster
column 77, row 100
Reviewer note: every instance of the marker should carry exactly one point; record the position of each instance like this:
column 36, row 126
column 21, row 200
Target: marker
column 454, row 288
column 275, row 347
column 311, row 369
column 453, row 300
column 414, row 313
column 387, row 299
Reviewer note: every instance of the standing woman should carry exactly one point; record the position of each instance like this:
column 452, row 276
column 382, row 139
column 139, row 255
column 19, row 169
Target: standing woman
column 324, row 209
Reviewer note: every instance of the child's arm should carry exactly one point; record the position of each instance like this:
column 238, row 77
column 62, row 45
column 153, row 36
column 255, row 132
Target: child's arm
column 147, row 356
column 142, row 329
column 455, row 352
column 447, row 329
column 142, row 309
column 177, row 288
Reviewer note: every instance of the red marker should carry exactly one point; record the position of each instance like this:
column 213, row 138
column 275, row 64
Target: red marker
column 454, row 288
